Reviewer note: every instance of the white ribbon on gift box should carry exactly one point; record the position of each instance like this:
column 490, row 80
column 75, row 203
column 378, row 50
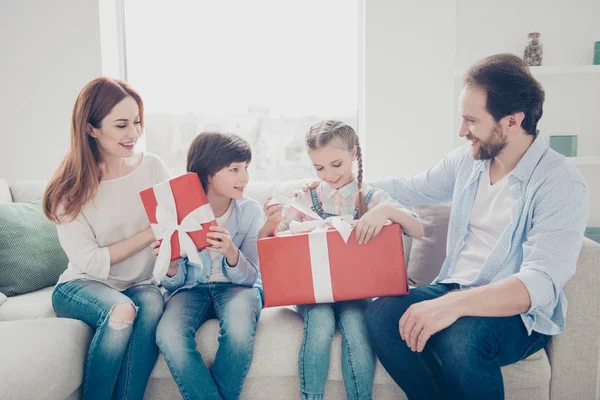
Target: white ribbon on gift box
column 317, row 243
column 166, row 226
column 319, row 251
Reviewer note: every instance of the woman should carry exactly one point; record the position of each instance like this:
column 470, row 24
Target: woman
column 93, row 198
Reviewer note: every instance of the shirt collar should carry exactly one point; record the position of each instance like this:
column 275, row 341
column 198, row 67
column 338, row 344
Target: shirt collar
column 525, row 166
column 530, row 159
column 344, row 192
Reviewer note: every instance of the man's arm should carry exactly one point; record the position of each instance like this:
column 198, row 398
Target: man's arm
column 550, row 255
column 434, row 186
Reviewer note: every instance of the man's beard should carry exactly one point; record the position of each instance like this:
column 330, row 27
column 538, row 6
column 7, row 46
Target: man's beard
column 493, row 146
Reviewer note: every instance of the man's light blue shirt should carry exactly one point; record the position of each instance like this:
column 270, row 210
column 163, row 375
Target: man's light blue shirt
column 540, row 246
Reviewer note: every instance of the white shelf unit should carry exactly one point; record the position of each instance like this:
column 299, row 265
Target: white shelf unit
column 589, row 160
column 552, row 70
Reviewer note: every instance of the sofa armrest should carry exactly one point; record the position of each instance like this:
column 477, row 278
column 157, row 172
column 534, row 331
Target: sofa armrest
column 575, row 354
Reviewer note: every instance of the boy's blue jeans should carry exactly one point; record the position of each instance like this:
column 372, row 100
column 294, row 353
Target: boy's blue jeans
column 358, row 359
column 121, row 355
column 460, row 362
column 237, row 308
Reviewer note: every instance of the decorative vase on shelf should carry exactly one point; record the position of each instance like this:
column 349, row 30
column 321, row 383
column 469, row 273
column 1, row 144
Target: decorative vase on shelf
column 533, row 51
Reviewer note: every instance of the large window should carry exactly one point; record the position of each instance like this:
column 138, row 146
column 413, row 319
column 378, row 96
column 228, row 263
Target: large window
column 265, row 69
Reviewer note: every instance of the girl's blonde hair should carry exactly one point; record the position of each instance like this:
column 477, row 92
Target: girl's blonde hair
column 322, row 133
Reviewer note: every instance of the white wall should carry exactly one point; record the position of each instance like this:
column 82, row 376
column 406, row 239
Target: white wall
column 409, row 86
column 411, row 51
column 50, row 50
column 568, row 32
column 568, row 29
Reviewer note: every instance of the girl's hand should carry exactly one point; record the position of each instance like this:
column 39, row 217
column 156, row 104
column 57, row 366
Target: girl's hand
column 221, row 243
column 274, row 215
column 313, row 185
column 371, row 223
column 173, row 266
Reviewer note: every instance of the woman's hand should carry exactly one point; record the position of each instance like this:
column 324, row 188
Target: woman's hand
column 370, row 224
column 221, row 242
column 173, row 265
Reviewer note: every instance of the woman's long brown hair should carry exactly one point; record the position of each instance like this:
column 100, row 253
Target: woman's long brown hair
column 76, row 180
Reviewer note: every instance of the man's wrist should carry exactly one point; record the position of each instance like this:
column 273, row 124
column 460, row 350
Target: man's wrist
column 461, row 302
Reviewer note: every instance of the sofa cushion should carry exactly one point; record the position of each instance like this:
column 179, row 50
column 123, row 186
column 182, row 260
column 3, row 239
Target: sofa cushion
column 42, row 358
column 279, row 336
column 31, row 257
column 32, row 305
column 2, row 298
column 427, row 254
column 23, row 191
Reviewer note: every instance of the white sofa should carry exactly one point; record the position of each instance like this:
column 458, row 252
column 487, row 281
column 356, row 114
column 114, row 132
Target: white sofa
column 42, row 357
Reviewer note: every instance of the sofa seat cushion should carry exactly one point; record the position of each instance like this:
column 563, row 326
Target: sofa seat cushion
column 32, row 305
column 279, row 336
column 42, row 358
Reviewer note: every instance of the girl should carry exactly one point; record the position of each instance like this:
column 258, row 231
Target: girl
column 94, row 199
column 226, row 286
column 332, row 147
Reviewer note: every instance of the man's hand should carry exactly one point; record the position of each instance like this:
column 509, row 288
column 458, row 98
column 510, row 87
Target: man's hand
column 173, row 266
column 313, row 185
column 422, row 320
column 370, row 224
column 221, row 242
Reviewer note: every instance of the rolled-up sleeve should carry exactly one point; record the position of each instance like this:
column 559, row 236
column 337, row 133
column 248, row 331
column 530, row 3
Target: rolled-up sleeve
column 553, row 243
column 79, row 243
column 246, row 271
column 172, row 283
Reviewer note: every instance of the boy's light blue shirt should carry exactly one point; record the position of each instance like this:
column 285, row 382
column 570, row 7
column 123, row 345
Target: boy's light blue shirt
column 540, row 246
column 246, row 220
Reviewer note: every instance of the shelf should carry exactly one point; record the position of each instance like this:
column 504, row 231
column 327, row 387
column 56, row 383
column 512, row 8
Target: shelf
column 589, row 160
column 566, row 70
column 553, row 70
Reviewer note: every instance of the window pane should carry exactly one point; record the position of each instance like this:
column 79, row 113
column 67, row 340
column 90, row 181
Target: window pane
column 265, row 69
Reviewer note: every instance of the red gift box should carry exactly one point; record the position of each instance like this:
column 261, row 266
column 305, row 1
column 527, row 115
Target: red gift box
column 292, row 274
column 179, row 210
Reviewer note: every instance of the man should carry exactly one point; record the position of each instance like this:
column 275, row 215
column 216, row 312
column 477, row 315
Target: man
column 518, row 215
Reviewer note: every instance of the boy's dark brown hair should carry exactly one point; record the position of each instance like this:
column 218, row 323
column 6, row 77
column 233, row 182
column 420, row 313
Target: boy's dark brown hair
column 210, row 152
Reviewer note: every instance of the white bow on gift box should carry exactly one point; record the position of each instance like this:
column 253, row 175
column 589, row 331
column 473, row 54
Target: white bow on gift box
column 166, row 226
column 317, row 242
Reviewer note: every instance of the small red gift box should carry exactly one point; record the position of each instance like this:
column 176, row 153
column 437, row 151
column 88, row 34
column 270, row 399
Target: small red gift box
column 320, row 267
column 179, row 212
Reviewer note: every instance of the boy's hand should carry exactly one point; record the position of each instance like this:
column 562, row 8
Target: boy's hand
column 371, row 223
column 173, row 266
column 274, row 215
column 221, row 243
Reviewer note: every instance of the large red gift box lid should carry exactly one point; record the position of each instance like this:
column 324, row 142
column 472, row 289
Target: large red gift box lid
column 357, row 271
